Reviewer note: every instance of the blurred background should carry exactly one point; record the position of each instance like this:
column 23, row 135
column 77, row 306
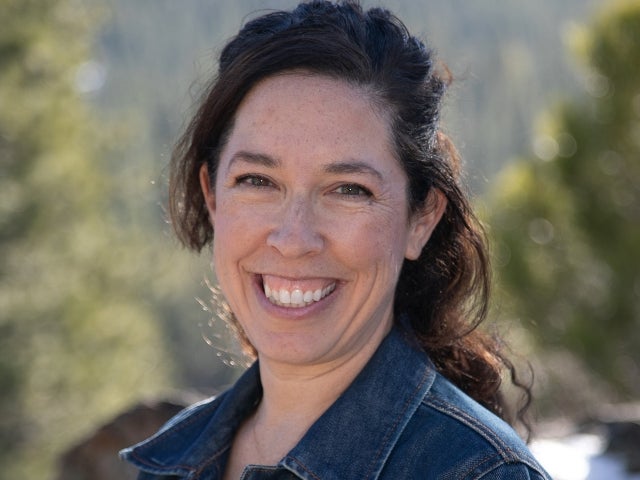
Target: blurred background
column 101, row 309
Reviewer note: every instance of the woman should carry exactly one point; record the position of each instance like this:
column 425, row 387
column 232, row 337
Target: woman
column 353, row 267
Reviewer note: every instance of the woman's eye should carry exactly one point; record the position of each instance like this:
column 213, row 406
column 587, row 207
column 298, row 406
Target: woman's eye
column 254, row 181
column 353, row 190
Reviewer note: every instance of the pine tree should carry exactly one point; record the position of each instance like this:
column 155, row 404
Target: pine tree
column 77, row 340
column 567, row 219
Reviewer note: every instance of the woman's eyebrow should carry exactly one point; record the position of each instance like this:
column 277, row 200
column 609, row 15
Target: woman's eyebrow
column 354, row 166
column 253, row 158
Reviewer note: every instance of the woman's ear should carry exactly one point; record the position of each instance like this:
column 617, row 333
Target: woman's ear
column 424, row 222
column 208, row 192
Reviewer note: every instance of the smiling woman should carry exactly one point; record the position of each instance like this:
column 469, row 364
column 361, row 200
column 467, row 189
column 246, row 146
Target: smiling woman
column 351, row 261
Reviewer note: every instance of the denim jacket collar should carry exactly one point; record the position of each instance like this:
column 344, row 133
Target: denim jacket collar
column 351, row 440
column 370, row 416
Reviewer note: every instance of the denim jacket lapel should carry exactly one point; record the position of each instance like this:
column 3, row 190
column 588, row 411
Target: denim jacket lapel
column 199, row 437
column 355, row 436
column 351, row 440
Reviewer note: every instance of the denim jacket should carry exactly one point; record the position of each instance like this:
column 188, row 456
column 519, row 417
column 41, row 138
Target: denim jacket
column 399, row 419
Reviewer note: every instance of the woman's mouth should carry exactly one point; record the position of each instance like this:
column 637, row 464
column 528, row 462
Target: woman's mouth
column 296, row 293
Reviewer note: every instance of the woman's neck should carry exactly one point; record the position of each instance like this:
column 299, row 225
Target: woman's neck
column 294, row 396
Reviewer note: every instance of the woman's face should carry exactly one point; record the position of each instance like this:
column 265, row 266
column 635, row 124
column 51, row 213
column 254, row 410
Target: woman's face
column 311, row 220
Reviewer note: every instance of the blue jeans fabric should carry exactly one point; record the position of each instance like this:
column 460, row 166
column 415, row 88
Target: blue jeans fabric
column 399, row 419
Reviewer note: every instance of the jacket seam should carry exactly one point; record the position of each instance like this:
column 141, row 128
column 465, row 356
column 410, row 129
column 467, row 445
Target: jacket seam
column 487, row 433
column 399, row 418
column 154, row 466
column 481, row 462
column 303, row 467
column 211, row 460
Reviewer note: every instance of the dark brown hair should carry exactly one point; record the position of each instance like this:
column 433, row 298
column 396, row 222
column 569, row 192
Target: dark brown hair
column 444, row 294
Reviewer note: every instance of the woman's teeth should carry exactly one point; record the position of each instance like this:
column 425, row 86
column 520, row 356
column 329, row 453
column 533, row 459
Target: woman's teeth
column 296, row 297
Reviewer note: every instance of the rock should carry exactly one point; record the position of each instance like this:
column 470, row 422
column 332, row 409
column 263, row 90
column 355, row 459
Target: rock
column 96, row 457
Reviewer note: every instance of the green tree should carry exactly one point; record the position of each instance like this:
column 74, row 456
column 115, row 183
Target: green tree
column 77, row 340
column 567, row 219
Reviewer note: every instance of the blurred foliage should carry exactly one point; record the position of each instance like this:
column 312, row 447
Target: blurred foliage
column 566, row 219
column 507, row 58
column 77, row 336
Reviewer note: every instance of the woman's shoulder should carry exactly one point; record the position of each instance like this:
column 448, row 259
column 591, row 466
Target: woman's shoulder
column 453, row 435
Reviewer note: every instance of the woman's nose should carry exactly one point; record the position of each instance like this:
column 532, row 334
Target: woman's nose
column 296, row 233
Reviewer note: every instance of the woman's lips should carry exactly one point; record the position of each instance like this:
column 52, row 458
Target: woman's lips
column 297, row 293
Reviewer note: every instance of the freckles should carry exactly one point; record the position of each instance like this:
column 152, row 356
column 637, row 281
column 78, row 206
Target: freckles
column 366, row 244
column 238, row 230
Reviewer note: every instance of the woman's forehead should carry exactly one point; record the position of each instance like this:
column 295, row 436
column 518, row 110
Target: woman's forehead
column 313, row 110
